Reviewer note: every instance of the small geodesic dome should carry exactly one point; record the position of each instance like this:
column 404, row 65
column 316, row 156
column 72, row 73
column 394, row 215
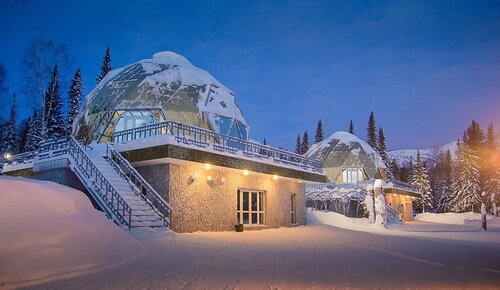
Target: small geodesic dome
column 346, row 158
column 165, row 88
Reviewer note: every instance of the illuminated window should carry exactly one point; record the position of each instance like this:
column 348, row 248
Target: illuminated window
column 134, row 119
column 352, row 175
column 250, row 207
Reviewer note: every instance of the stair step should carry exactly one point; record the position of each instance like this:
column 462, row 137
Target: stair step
column 143, row 215
column 145, row 218
column 147, row 224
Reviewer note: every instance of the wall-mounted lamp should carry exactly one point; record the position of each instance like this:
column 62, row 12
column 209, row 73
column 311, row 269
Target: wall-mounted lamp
column 275, row 177
column 207, row 166
column 245, row 172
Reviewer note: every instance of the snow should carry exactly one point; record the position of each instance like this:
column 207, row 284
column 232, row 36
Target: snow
column 170, row 55
column 347, row 139
column 49, row 231
column 338, row 220
column 450, row 218
column 180, row 69
column 403, row 156
column 59, row 235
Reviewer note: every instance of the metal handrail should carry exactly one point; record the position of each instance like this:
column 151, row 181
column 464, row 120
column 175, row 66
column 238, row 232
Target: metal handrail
column 393, row 214
column 141, row 187
column 202, row 137
column 21, row 158
column 91, row 173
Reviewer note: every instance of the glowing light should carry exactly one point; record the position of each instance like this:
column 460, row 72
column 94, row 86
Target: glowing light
column 207, row 166
column 7, row 155
column 275, row 177
column 209, row 178
column 245, row 172
column 393, row 194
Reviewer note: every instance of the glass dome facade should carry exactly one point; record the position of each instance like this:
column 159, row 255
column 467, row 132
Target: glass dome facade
column 165, row 88
column 346, row 158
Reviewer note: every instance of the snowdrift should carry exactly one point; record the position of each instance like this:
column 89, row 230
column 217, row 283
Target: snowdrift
column 450, row 218
column 50, row 230
column 337, row 220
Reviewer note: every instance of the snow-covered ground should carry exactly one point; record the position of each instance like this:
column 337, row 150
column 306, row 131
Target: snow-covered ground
column 320, row 255
column 49, row 231
column 450, row 218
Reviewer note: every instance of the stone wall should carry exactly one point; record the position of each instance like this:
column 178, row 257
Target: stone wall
column 200, row 204
column 157, row 176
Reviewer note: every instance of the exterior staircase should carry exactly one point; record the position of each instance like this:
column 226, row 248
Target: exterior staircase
column 115, row 185
column 143, row 214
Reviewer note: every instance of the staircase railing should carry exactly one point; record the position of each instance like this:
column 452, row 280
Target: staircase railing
column 392, row 214
column 145, row 190
column 202, row 138
column 90, row 175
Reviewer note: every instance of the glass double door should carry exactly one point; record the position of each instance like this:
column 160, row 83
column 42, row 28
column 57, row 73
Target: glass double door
column 250, row 207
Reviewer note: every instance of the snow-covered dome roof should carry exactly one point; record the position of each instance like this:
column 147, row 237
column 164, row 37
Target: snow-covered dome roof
column 344, row 150
column 169, row 87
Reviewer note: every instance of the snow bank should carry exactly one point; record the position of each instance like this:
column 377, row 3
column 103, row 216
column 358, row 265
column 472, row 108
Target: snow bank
column 50, row 230
column 337, row 220
column 449, row 218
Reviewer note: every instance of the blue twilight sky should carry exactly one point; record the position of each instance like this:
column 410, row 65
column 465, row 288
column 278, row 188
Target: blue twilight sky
column 427, row 68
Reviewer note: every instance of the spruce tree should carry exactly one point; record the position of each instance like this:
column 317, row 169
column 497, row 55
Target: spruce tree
column 411, row 169
column 3, row 126
column 23, row 136
column 10, row 134
column 105, row 66
column 381, row 147
column 466, row 187
column 75, row 95
column 421, row 181
column 491, row 167
column 54, row 126
column 372, row 132
column 305, row 143
column 298, row 145
column 351, row 128
column 320, row 135
column 34, row 132
column 394, row 168
column 404, row 174
column 443, row 184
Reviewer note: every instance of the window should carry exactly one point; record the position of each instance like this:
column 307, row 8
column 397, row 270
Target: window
column 293, row 208
column 134, row 119
column 250, row 207
column 352, row 175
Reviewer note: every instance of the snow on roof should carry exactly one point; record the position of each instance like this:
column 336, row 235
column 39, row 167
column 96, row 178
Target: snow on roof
column 342, row 150
column 169, row 82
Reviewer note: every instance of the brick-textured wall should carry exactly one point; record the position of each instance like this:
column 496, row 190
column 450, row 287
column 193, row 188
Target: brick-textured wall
column 202, row 205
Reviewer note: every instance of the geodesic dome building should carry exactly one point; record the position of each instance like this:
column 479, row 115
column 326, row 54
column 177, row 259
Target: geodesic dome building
column 165, row 88
column 346, row 158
